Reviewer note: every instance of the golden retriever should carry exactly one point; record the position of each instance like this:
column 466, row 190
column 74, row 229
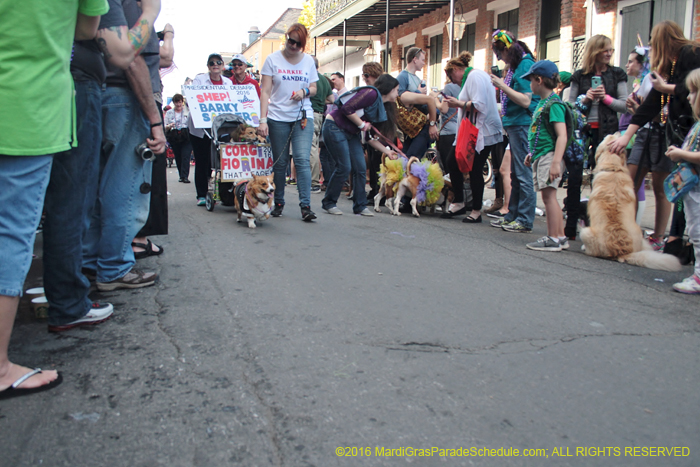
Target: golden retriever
column 613, row 232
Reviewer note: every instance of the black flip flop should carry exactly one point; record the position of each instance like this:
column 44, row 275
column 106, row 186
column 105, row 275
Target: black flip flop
column 471, row 220
column 147, row 250
column 14, row 391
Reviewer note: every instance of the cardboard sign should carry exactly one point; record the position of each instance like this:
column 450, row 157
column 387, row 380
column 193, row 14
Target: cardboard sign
column 206, row 102
column 240, row 161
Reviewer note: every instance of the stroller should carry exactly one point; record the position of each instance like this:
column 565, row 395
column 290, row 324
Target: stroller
column 222, row 127
column 220, row 190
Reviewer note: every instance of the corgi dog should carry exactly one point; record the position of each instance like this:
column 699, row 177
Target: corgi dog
column 254, row 199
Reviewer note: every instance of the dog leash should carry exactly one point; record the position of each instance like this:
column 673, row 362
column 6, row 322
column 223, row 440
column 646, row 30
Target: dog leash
column 388, row 141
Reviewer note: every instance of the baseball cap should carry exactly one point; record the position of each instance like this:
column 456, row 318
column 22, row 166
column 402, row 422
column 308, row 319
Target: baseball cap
column 543, row 68
column 214, row 56
column 241, row 58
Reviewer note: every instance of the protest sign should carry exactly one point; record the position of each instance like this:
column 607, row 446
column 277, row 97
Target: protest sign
column 240, row 161
column 206, row 102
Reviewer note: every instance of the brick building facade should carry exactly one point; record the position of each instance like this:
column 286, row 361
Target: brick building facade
column 552, row 36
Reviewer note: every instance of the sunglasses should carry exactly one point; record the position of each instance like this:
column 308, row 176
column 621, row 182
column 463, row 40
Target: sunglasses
column 238, row 64
column 291, row 41
column 365, row 75
column 215, row 62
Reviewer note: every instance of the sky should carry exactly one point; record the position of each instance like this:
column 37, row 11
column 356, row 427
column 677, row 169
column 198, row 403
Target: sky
column 203, row 27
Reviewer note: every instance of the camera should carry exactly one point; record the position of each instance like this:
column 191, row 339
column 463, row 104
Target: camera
column 144, row 152
column 161, row 35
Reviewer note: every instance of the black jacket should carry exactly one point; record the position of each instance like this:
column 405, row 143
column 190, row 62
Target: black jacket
column 680, row 112
column 608, row 120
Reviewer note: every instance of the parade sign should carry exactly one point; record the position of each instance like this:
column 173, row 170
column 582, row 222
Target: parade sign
column 206, row 102
column 240, row 161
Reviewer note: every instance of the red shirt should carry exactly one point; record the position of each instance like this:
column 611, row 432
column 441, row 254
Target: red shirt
column 247, row 80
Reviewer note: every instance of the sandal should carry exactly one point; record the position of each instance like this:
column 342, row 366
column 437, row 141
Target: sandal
column 14, row 391
column 147, row 249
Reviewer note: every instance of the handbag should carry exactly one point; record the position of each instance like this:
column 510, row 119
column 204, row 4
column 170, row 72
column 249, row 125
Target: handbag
column 465, row 148
column 177, row 136
column 410, row 121
column 679, row 182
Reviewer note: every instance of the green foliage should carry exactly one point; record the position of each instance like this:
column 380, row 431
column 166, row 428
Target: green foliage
column 308, row 14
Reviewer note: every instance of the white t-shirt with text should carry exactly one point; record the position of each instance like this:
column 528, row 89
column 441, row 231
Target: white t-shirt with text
column 287, row 78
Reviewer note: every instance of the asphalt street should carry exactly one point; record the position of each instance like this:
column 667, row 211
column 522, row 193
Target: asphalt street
column 293, row 343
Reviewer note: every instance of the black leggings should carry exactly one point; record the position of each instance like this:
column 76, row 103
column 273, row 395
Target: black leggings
column 202, row 164
column 497, row 153
column 476, row 177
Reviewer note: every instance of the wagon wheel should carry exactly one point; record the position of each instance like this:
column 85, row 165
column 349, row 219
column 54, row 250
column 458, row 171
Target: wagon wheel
column 210, row 201
column 488, row 171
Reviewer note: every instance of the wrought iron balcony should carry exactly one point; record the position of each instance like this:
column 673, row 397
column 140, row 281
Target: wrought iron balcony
column 327, row 8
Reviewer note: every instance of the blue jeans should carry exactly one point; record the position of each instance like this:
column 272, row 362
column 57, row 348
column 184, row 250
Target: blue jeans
column 347, row 149
column 523, row 198
column 121, row 209
column 327, row 163
column 69, row 199
column 417, row 146
column 301, row 147
column 23, row 180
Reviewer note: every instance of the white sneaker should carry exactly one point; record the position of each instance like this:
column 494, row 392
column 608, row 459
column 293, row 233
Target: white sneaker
column 99, row 312
column 365, row 212
column 689, row 285
column 334, row 210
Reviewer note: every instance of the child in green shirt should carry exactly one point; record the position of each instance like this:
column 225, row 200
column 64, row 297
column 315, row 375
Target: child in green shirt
column 547, row 151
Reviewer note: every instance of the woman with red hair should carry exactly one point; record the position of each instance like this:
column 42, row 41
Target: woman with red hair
column 288, row 81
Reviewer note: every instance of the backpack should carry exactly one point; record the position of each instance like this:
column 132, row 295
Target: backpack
column 575, row 129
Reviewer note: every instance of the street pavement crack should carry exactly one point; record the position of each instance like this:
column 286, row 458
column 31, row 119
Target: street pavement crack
column 517, row 346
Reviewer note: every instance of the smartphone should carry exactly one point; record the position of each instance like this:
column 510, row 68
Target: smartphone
column 161, row 35
column 422, row 83
column 495, row 71
column 596, row 81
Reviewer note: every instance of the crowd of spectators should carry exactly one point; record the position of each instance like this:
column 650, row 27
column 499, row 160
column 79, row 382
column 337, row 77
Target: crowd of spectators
column 102, row 199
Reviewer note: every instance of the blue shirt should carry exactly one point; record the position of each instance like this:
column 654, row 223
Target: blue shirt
column 516, row 115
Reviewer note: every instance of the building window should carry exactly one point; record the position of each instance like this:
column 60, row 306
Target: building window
column 550, row 35
column 509, row 21
column 436, row 72
column 468, row 40
column 403, row 55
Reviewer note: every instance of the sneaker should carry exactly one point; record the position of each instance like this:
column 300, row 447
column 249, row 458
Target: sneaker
column 689, row 285
column 499, row 222
column 307, row 215
column 315, row 189
column 99, row 312
column 564, row 243
column 186, row 180
column 544, row 244
column 292, row 182
column 656, row 243
column 324, row 187
column 365, row 212
column 516, row 227
column 134, row 279
column 334, row 210
column 201, row 201
column 277, row 211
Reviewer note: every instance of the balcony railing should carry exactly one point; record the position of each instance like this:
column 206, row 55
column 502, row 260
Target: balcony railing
column 327, row 8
